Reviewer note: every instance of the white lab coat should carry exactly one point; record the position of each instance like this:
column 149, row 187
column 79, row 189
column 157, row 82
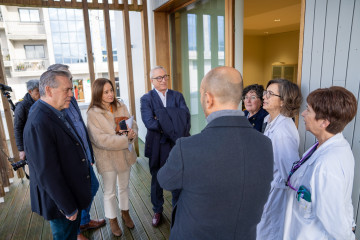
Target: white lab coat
column 328, row 174
column 285, row 140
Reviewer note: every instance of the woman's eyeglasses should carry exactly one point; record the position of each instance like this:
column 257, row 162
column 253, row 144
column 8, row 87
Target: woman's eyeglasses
column 269, row 94
column 252, row 98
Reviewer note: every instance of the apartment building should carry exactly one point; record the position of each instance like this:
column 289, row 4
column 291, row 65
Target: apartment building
column 31, row 39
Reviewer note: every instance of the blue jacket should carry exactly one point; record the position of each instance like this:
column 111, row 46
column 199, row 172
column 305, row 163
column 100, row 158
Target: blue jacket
column 59, row 171
column 257, row 119
column 224, row 181
column 150, row 103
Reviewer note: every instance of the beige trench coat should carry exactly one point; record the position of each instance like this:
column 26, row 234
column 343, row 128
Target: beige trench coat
column 110, row 150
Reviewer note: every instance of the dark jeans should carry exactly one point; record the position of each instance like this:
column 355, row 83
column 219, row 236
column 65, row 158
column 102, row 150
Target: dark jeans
column 85, row 213
column 64, row 229
column 157, row 196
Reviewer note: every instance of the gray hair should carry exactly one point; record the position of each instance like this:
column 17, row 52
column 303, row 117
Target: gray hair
column 48, row 79
column 154, row 68
column 60, row 67
column 32, row 84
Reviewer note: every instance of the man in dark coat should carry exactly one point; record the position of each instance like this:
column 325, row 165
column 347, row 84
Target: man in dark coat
column 223, row 175
column 73, row 115
column 166, row 117
column 22, row 112
column 60, row 182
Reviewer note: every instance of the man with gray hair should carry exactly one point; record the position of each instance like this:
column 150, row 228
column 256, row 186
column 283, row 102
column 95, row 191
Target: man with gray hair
column 73, row 115
column 60, row 184
column 166, row 117
column 224, row 172
column 22, row 111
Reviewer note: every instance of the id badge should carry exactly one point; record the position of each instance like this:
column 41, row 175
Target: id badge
column 303, row 193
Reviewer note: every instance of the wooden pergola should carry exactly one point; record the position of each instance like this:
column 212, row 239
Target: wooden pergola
column 6, row 172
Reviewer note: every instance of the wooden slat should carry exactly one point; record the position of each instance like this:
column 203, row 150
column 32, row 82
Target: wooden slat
column 110, row 59
column 88, row 42
column 318, row 44
column 332, row 13
column 229, row 33
column 4, row 153
column 129, row 66
column 306, row 68
column 342, row 41
column 146, row 48
column 162, row 42
column 8, row 117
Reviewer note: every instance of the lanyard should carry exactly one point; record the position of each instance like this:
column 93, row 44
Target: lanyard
column 298, row 164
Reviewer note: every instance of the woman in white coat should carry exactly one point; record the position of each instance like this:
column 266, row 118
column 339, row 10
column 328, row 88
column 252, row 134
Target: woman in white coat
column 111, row 150
column 282, row 100
column 320, row 184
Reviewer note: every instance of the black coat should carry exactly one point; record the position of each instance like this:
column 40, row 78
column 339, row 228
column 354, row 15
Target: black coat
column 21, row 115
column 257, row 119
column 224, row 181
column 59, row 170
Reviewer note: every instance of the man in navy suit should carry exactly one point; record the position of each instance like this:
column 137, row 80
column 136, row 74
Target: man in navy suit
column 166, row 117
column 224, row 172
column 60, row 181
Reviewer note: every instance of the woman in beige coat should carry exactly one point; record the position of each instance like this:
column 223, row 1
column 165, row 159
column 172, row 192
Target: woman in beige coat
column 111, row 150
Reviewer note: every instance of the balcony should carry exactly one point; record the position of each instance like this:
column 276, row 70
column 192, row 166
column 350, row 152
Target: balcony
column 18, row 31
column 29, row 67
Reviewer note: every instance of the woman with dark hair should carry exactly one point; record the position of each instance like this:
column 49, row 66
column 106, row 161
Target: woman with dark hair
column 319, row 204
column 252, row 97
column 113, row 152
column 282, row 100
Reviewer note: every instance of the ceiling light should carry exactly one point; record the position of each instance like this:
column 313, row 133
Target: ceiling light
column 277, row 20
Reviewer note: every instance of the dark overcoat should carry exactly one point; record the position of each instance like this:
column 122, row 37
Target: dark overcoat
column 224, row 174
column 59, row 170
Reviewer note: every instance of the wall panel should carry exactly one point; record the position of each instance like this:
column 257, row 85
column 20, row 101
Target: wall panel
column 331, row 56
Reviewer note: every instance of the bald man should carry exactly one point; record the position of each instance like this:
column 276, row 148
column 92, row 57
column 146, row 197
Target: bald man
column 224, row 172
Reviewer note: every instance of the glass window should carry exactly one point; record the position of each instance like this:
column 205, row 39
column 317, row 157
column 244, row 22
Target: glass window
column 34, row 51
column 68, row 34
column 198, row 31
column 29, row 15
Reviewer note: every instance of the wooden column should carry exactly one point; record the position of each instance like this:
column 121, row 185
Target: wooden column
column 4, row 153
column 162, row 41
column 9, row 119
column 110, row 59
column 129, row 66
column 229, row 33
column 88, row 41
column 146, row 51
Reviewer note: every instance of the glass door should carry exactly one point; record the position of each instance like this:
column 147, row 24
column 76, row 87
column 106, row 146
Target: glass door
column 197, row 46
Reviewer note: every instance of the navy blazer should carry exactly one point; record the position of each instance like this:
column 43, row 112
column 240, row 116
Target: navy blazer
column 224, row 180
column 59, row 171
column 150, row 103
column 257, row 119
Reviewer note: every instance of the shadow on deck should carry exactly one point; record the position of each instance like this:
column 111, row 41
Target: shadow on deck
column 18, row 222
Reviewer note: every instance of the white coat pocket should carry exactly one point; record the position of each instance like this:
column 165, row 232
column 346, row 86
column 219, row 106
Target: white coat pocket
column 305, row 208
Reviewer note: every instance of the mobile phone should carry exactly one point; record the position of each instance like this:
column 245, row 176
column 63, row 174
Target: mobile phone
column 123, row 125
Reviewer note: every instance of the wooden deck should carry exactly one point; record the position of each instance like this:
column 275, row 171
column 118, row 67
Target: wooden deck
column 18, row 222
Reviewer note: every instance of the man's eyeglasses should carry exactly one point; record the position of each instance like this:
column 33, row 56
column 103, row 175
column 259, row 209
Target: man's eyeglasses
column 269, row 94
column 252, row 98
column 160, row 78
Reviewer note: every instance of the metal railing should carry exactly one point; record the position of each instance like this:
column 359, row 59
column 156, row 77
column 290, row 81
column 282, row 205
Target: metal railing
column 21, row 65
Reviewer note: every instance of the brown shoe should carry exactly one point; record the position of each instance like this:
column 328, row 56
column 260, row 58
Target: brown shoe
column 127, row 219
column 81, row 237
column 156, row 219
column 115, row 227
column 93, row 224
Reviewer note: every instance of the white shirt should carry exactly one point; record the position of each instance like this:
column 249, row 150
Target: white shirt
column 328, row 174
column 162, row 97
